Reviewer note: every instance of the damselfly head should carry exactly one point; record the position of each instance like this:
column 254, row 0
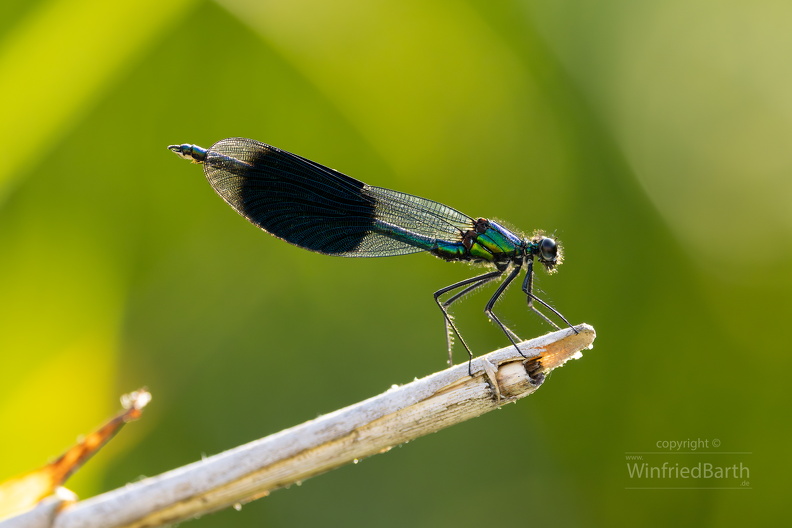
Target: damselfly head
column 547, row 250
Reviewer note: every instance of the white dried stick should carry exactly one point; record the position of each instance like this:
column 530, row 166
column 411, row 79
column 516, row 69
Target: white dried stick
column 372, row 426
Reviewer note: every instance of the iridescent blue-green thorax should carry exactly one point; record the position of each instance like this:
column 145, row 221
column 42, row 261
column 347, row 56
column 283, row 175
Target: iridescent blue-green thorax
column 485, row 242
column 491, row 242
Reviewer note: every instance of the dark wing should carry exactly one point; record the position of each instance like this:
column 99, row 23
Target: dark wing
column 320, row 209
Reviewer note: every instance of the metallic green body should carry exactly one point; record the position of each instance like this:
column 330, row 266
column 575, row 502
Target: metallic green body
column 486, row 242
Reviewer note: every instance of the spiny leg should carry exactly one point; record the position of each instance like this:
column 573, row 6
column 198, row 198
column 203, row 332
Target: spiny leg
column 473, row 287
column 491, row 304
column 470, row 289
column 456, row 297
column 474, row 282
column 527, row 288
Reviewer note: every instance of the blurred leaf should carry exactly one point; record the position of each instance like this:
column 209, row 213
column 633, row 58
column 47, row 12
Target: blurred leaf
column 57, row 61
column 21, row 493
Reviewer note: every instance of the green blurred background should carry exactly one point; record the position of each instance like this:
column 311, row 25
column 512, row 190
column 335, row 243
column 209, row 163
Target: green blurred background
column 653, row 138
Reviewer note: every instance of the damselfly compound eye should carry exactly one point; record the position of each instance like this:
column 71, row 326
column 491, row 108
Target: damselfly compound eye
column 549, row 249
